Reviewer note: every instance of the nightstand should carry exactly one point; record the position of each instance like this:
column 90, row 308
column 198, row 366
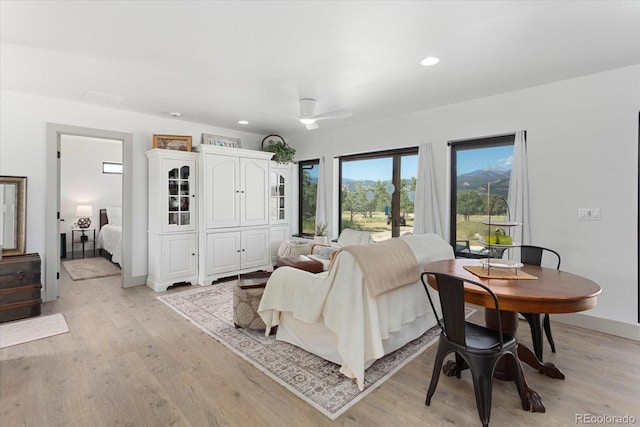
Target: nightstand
column 82, row 236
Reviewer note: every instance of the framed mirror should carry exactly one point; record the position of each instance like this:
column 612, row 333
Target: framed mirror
column 13, row 214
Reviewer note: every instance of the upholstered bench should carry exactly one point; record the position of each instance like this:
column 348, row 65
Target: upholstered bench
column 247, row 294
column 301, row 262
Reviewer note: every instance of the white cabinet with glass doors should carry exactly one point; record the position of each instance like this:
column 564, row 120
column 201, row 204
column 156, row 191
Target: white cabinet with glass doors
column 280, row 175
column 172, row 218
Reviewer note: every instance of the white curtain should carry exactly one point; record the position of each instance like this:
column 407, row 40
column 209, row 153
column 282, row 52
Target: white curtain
column 321, row 197
column 426, row 212
column 518, row 197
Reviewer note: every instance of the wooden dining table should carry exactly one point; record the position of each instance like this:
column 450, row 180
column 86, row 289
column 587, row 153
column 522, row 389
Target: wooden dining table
column 552, row 291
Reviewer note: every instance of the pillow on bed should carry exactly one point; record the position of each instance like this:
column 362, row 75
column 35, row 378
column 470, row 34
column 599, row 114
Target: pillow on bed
column 114, row 215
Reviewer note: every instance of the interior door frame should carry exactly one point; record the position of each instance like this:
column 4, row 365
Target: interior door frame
column 52, row 203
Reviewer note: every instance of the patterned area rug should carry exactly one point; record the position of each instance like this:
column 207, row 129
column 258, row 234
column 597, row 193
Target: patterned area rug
column 90, row 268
column 313, row 379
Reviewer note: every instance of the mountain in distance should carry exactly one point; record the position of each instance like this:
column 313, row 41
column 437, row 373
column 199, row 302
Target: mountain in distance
column 478, row 179
column 366, row 183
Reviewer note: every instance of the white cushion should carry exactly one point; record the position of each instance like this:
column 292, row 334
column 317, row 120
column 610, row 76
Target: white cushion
column 294, row 248
column 353, row 237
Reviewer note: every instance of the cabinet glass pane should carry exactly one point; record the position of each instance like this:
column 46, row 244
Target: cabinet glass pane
column 184, row 203
column 173, row 203
column 173, row 188
column 179, row 196
column 174, row 218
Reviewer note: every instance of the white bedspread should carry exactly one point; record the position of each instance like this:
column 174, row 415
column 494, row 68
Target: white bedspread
column 340, row 300
column 110, row 239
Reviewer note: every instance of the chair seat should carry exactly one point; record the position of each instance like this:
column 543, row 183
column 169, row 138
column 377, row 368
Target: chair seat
column 480, row 338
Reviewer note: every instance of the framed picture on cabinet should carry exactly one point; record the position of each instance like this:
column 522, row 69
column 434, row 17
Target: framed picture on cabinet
column 172, row 142
column 221, row 141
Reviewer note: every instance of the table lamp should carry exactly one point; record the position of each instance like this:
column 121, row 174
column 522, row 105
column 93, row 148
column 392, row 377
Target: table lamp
column 84, row 214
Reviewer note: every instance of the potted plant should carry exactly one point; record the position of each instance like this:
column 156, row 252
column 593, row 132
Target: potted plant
column 320, row 233
column 283, row 153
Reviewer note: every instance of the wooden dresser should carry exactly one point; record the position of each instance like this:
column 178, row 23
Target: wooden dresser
column 20, row 287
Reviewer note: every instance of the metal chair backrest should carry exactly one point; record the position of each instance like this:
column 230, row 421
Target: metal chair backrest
column 451, row 294
column 532, row 255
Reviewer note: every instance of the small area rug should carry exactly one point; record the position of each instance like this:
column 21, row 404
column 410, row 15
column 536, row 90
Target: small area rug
column 90, row 268
column 32, row 329
column 313, row 379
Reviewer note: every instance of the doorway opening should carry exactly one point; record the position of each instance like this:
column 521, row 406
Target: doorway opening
column 55, row 134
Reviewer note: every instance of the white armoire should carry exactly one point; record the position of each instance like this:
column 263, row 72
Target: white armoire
column 234, row 233
column 173, row 220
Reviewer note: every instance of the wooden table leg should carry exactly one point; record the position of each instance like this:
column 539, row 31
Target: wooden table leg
column 504, row 371
column 526, row 355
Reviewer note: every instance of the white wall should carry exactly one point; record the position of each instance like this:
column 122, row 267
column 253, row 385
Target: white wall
column 583, row 152
column 23, row 139
column 82, row 181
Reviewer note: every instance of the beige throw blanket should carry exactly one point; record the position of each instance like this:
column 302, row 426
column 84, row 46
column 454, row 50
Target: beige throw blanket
column 385, row 265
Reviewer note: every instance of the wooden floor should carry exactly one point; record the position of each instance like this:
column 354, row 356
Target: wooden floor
column 130, row 360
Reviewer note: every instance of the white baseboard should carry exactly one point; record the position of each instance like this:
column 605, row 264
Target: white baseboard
column 607, row 326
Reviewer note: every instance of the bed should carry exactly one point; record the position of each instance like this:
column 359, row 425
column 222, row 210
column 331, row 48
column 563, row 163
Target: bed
column 110, row 235
column 334, row 315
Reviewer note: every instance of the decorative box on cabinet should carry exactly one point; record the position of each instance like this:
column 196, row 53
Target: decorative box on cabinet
column 173, row 235
column 20, row 287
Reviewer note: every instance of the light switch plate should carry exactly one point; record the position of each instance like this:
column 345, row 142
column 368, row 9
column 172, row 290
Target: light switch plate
column 589, row 214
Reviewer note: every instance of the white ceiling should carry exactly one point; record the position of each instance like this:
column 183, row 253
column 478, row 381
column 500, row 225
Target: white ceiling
column 220, row 62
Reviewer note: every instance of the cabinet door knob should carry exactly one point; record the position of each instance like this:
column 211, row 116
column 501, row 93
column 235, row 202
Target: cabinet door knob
column 238, row 251
column 243, row 250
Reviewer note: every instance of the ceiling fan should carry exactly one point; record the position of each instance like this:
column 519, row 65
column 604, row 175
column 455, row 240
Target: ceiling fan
column 309, row 118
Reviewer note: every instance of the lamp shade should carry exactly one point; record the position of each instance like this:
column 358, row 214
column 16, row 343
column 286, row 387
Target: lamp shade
column 83, row 211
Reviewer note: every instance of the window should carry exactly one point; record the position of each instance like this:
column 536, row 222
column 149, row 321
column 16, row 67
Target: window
column 308, row 195
column 377, row 191
column 480, row 174
column 111, row 167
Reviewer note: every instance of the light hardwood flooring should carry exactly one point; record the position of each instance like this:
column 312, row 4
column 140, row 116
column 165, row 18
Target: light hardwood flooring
column 130, row 360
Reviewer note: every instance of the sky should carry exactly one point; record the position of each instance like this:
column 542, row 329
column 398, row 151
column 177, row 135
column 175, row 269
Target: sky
column 468, row 161
column 480, row 158
column 379, row 169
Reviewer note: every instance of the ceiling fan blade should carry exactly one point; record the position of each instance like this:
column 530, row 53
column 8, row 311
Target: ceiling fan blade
column 337, row 114
column 311, row 126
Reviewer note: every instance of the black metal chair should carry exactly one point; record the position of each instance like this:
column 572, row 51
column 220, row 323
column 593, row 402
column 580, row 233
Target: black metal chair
column 533, row 255
column 477, row 346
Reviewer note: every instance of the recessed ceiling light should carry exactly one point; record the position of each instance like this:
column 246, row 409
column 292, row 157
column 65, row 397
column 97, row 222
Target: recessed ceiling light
column 243, row 122
column 175, row 114
column 429, row 60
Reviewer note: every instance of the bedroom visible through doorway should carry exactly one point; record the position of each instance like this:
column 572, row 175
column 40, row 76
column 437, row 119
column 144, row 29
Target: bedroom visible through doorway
column 86, row 191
